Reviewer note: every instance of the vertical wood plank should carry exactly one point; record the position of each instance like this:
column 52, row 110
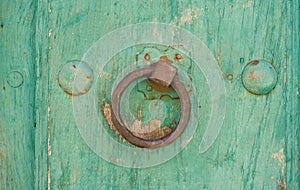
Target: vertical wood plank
column 257, row 147
column 292, row 69
column 42, row 98
column 17, row 94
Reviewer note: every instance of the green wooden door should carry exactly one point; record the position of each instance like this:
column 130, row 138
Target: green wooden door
column 44, row 146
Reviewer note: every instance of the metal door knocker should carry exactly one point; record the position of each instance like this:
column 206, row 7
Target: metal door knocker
column 163, row 73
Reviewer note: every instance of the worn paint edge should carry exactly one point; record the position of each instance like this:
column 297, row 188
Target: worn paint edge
column 41, row 100
column 292, row 138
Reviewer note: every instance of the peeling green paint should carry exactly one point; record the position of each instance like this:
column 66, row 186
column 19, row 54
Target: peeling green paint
column 40, row 146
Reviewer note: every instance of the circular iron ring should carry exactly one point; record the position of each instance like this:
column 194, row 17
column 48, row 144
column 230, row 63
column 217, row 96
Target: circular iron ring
column 161, row 76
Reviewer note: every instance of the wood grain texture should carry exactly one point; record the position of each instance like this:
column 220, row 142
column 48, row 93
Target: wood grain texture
column 42, row 98
column 257, row 148
column 17, row 94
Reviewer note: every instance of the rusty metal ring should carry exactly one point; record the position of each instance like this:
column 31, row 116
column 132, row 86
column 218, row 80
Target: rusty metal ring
column 164, row 74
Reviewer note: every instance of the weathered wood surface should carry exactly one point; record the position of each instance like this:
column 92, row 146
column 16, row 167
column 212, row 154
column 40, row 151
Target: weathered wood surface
column 17, row 94
column 257, row 148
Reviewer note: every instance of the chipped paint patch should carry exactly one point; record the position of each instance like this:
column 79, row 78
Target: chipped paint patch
column 105, row 75
column 280, row 156
column 115, row 160
column 49, row 8
column 189, row 15
column 245, row 4
column 74, row 175
column 248, row 4
column 151, row 131
column 50, row 32
column 107, row 116
column 49, row 147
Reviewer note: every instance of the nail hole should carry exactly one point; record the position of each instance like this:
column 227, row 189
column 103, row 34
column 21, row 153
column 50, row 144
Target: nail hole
column 147, row 56
column 242, row 60
column 178, row 56
column 229, row 77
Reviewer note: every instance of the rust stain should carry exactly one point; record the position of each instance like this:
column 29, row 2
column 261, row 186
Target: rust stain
column 159, row 87
column 257, row 75
column 162, row 97
column 146, row 56
column 283, row 185
column 165, row 58
column 255, row 62
column 178, row 56
column 252, row 75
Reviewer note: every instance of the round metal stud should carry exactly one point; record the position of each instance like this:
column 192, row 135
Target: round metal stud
column 76, row 78
column 259, row 77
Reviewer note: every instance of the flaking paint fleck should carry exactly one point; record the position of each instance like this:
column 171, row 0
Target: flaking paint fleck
column 150, row 131
column 49, row 148
column 248, row 4
column 115, row 160
column 107, row 116
column 50, row 32
column 74, row 175
column 49, row 8
column 280, row 156
column 189, row 15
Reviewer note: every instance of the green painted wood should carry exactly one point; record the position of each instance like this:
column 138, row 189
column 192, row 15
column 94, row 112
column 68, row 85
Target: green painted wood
column 42, row 98
column 257, row 148
column 17, row 94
